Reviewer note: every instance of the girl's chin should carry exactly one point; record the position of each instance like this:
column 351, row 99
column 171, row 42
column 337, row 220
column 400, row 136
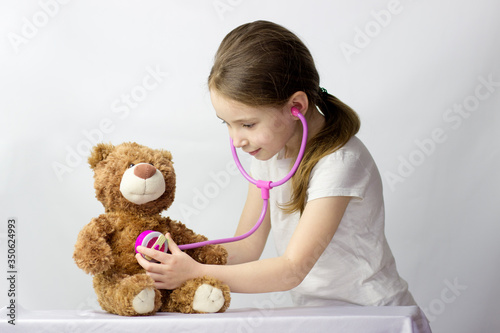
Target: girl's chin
column 263, row 156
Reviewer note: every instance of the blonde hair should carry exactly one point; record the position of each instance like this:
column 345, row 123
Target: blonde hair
column 264, row 64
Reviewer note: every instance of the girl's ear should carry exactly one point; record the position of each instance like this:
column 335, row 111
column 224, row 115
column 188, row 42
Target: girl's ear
column 300, row 101
column 99, row 153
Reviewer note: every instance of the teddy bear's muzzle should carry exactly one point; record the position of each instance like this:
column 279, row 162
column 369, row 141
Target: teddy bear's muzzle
column 142, row 183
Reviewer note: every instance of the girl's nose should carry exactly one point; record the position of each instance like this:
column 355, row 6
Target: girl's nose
column 238, row 140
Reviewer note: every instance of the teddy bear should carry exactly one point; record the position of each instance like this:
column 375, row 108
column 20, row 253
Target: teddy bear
column 135, row 184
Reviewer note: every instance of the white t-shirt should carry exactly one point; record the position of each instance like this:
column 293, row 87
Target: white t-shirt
column 357, row 267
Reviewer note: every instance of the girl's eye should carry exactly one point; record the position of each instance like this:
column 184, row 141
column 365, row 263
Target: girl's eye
column 248, row 125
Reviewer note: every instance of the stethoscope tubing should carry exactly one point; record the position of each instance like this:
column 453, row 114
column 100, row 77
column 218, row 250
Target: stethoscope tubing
column 265, row 186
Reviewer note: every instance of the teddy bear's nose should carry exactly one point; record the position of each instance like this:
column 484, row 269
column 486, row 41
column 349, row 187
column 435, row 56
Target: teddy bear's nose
column 144, row 171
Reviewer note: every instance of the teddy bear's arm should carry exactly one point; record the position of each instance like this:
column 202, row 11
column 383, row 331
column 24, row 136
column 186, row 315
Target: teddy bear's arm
column 208, row 254
column 92, row 252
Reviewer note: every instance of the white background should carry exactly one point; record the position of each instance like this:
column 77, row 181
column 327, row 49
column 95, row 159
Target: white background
column 406, row 67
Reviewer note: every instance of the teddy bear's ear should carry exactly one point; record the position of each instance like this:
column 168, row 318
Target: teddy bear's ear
column 166, row 154
column 99, row 153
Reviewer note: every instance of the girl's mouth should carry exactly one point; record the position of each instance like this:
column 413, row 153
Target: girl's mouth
column 253, row 153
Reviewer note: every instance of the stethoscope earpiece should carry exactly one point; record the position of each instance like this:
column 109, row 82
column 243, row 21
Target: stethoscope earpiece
column 295, row 111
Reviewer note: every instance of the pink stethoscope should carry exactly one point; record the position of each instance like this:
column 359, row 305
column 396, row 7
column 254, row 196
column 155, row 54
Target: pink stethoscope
column 157, row 241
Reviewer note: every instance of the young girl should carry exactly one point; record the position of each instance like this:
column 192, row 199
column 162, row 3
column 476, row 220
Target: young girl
column 328, row 221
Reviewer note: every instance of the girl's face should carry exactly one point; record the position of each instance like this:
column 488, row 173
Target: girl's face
column 260, row 131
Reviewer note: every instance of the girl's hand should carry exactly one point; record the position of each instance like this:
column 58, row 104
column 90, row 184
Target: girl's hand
column 172, row 270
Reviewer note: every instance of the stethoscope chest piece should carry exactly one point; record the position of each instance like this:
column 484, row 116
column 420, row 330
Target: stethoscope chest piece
column 153, row 240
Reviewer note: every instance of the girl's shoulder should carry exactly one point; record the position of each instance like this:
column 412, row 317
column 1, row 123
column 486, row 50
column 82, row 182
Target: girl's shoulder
column 348, row 171
column 353, row 150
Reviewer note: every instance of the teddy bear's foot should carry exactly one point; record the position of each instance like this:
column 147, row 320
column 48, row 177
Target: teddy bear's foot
column 200, row 295
column 144, row 302
column 208, row 299
column 133, row 295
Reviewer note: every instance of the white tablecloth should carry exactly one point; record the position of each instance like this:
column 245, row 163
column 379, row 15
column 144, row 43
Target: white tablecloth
column 404, row 319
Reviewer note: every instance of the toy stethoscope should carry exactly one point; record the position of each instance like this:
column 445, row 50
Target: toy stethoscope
column 157, row 241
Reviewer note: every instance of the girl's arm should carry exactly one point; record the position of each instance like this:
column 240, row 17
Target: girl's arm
column 315, row 230
column 250, row 248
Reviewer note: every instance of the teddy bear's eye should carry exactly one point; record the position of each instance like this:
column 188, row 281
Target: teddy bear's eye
column 131, row 165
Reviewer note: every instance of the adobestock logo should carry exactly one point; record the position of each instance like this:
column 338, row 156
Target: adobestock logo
column 363, row 36
column 31, row 27
column 223, row 6
column 448, row 295
column 208, row 191
column 454, row 118
column 121, row 106
column 253, row 321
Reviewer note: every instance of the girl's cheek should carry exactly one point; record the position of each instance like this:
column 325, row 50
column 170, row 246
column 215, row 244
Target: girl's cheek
column 266, row 137
column 279, row 125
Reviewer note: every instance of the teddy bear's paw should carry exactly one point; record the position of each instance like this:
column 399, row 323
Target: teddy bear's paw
column 207, row 298
column 144, row 302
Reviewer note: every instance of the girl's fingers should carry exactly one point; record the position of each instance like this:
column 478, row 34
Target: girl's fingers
column 157, row 255
column 157, row 278
column 174, row 249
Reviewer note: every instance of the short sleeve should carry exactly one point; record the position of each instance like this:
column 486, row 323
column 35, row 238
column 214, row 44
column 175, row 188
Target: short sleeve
column 342, row 173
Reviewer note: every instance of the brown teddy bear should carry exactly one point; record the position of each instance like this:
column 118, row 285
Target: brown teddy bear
column 135, row 184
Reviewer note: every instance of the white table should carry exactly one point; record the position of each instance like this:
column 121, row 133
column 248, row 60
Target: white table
column 404, row 319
